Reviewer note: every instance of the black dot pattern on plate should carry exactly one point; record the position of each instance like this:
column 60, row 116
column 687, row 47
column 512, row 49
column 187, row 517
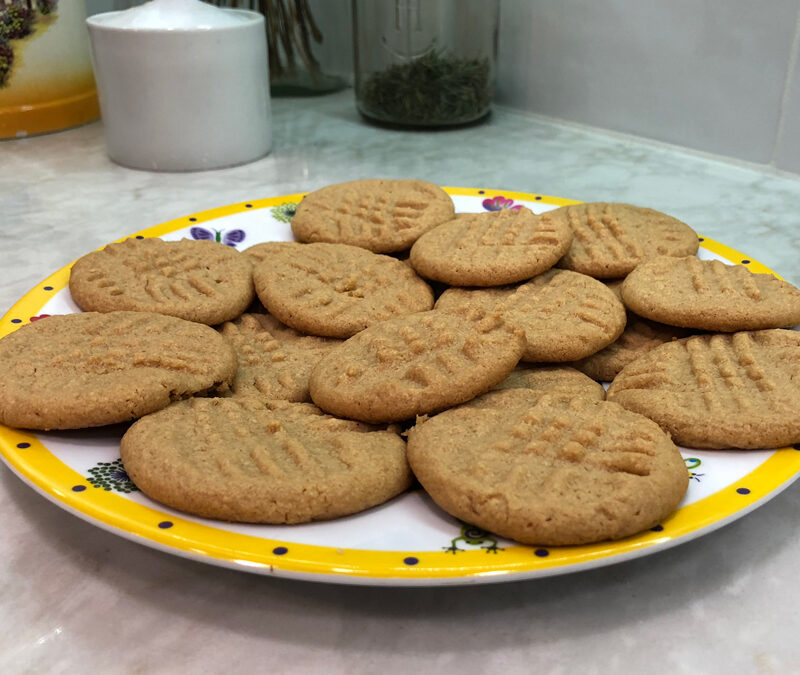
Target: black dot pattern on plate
column 481, row 192
column 541, row 553
column 16, row 320
column 280, row 550
column 796, row 446
column 411, row 560
column 78, row 488
column 743, row 491
column 700, row 239
column 165, row 524
column 192, row 220
column 657, row 528
column 537, row 198
column 139, row 236
column 48, row 288
column 745, row 262
column 22, row 446
column 248, row 206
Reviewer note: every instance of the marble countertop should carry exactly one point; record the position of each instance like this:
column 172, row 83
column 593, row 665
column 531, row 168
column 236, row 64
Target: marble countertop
column 76, row 596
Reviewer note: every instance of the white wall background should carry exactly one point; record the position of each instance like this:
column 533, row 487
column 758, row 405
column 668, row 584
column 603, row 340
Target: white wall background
column 713, row 75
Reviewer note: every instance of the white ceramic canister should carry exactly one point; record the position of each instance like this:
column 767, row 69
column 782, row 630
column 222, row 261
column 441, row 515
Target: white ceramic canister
column 183, row 86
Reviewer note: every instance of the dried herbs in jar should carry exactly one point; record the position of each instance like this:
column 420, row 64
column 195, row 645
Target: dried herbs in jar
column 424, row 63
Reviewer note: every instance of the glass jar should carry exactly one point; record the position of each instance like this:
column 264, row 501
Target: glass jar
column 297, row 49
column 425, row 63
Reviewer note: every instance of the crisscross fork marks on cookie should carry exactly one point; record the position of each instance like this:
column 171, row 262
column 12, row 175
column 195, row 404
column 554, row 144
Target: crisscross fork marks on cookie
column 497, row 232
column 576, row 436
column 265, row 440
column 744, row 349
column 355, row 214
column 273, row 359
column 163, row 290
column 339, row 453
column 202, row 281
column 601, row 234
column 624, row 452
column 116, row 324
column 647, row 376
column 534, row 432
column 589, row 313
column 728, row 373
column 337, row 289
column 415, row 364
column 138, row 342
column 406, row 211
column 669, row 241
column 563, row 293
column 713, row 277
column 184, row 363
column 748, row 282
column 330, row 274
column 379, row 215
column 155, row 256
column 409, row 351
column 596, row 443
column 100, row 280
column 287, row 379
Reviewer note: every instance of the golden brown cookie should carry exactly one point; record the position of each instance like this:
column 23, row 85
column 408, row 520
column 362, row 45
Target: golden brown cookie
column 490, row 249
column 87, row 370
column 640, row 336
column 611, row 239
column 565, row 315
column 335, row 290
column 274, row 360
column 414, row 365
column 199, row 281
column 548, row 471
column 378, row 214
column 710, row 295
column 259, row 461
column 733, row 390
column 561, row 381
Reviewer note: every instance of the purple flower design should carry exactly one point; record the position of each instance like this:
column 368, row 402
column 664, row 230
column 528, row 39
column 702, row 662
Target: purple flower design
column 229, row 237
column 499, row 203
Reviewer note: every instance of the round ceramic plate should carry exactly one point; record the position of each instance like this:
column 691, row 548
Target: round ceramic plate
column 407, row 541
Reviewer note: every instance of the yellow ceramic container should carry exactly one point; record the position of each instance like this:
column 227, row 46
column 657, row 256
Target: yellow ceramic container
column 46, row 81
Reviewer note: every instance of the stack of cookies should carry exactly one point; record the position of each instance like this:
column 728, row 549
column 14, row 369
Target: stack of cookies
column 309, row 380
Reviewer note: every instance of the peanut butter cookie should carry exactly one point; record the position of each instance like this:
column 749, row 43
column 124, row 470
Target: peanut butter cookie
column 87, row 370
column 561, row 381
column 640, row 336
column 414, row 365
column 731, row 390
column 548, row 471
column 611, row 239
column 274, row 360
column 710, row 295
column 565, row 315
column 335, row 290
column 254, row 460
column 377, row 214
column 199, row 281
column 490, row 249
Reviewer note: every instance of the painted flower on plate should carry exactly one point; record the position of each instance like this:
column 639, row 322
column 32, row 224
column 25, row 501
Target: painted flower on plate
column 500, row 203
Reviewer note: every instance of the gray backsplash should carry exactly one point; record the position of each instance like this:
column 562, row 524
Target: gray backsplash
column 711, row 75
column 705, row 74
